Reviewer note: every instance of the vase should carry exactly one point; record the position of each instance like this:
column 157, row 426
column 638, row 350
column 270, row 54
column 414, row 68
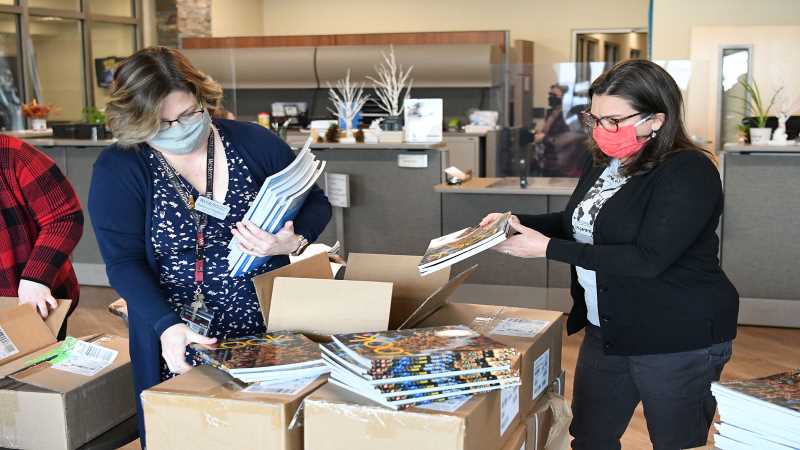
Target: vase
column 392, row 123
column 38, row 124
column 760, row 136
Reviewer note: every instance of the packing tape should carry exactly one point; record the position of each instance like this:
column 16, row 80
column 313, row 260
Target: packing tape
column 485, row 324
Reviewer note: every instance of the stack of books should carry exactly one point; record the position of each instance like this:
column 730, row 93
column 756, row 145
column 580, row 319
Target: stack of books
column 448, row 250
column 278, row 201
column 763, row 413
column 398, row 369
column 269, row 357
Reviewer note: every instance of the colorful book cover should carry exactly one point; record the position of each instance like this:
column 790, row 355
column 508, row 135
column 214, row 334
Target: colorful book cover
column 462, row 241
column 781, row 389
column 276, row 351
column 398, row 347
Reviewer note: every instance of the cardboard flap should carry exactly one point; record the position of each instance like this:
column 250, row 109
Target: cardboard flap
column 22, row 332
column 410, row 288
column 54, row 320
column 45, row 377
column 327, row 307
column 316, row 266
column 437, row 299
column 207, row 381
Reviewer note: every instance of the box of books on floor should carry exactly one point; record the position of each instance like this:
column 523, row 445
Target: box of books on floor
column 762, row 413
column 58, row 395
column 247, row 395
column 535, row 334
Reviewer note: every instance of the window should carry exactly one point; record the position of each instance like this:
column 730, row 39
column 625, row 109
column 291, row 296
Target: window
column 110, row 43
column 120, row 8
column 69, row 5
column 10, row 74
column 60, row 52
column 57, row 76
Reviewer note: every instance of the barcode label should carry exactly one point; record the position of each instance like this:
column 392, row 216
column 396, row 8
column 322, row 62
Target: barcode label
column 94, row 351
column 520, row 327
column 541, row 373
column 7, row 348
column 282, row 387
column 509, row 407
column 86, row 359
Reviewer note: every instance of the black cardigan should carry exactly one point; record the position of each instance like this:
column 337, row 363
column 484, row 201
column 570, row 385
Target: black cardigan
column 660, row 288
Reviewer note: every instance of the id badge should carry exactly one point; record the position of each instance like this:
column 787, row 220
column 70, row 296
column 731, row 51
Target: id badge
column 198, row 321
column 211, row 207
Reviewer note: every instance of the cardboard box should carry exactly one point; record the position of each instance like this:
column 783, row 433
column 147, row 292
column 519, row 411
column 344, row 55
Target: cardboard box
column 536, row 334
column 336, row 419
column 386, row 290
column 206, row 409
column 517, row 440
column 548, row 425
column 45, row 408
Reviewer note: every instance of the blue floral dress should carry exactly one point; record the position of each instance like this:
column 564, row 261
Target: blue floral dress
column 232, row 300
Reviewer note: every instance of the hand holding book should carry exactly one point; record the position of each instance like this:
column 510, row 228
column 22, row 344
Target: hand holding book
column 254, row 241
column 527, row 243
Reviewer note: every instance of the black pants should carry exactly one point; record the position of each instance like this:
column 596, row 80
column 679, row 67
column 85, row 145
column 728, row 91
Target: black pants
column 674, row 388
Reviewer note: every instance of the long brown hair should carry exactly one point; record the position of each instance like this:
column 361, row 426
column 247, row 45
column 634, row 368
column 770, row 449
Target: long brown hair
column 650, row 90
column 142, row 81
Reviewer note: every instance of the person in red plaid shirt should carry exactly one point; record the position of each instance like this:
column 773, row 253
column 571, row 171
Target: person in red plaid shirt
column 41, row 222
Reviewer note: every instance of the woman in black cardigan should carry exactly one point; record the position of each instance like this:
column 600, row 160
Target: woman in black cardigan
column 640, row 234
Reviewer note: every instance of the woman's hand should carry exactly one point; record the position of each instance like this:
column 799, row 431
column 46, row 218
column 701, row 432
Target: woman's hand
column 173, row 346
column 256, row 242
column 36, row 295
column 529, row 243
column 494, row 216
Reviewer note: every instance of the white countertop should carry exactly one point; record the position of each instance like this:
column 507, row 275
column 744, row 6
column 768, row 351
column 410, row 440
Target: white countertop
column 510, row 185
column 749, row 148
column 50, row 142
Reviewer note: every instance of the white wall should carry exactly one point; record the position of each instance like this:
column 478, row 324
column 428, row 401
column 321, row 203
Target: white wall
column 237, row 17
column 673, row 20
column 549, row 24
column 775, row 63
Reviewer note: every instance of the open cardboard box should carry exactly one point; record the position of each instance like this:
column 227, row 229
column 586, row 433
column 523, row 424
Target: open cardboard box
column 379, row 292
column 336, row 419
column 206, row 409
column 536, row 334
column 46, row 408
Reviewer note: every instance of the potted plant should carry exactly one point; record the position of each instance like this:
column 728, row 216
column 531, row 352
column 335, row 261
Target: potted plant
column 760, row 133
column 347, row 99
column 37, row 113
column 392, row 80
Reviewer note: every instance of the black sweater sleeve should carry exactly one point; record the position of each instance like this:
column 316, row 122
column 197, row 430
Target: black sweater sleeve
column 685, row 198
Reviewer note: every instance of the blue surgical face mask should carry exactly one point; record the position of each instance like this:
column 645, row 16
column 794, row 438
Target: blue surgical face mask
column 182, row 138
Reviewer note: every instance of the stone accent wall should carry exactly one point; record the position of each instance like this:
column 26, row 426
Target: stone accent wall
column 194, row 18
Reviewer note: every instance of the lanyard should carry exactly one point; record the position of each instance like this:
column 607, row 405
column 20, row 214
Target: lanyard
column 200, row 219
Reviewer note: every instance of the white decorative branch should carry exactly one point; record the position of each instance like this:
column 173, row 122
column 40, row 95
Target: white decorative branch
column 347, row 99
column 390, row 83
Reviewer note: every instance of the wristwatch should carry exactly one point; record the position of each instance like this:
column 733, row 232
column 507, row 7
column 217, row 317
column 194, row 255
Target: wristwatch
column 301, row 246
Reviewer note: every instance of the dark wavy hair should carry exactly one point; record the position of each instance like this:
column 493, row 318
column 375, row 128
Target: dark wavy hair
column 650, row 90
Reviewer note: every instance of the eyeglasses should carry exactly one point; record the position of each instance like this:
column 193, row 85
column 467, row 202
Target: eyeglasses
column 184, row 119
column 610, row 124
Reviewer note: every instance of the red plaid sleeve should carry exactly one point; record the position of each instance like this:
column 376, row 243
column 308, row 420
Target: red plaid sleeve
column 56, row 209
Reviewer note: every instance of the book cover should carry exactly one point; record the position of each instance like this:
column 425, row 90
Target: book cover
column 455, row 244
column 397, row 347
column 268, row 351
column 781, row 389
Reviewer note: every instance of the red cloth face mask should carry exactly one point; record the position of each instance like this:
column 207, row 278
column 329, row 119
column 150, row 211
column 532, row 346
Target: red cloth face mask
column 623, row 143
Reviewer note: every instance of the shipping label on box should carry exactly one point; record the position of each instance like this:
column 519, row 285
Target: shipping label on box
column 541, row 373
column 509, row 407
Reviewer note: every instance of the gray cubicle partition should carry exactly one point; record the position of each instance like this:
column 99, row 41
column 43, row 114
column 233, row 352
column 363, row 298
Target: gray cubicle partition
column 761, row 233
column 393, row 209
column 76, row 162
